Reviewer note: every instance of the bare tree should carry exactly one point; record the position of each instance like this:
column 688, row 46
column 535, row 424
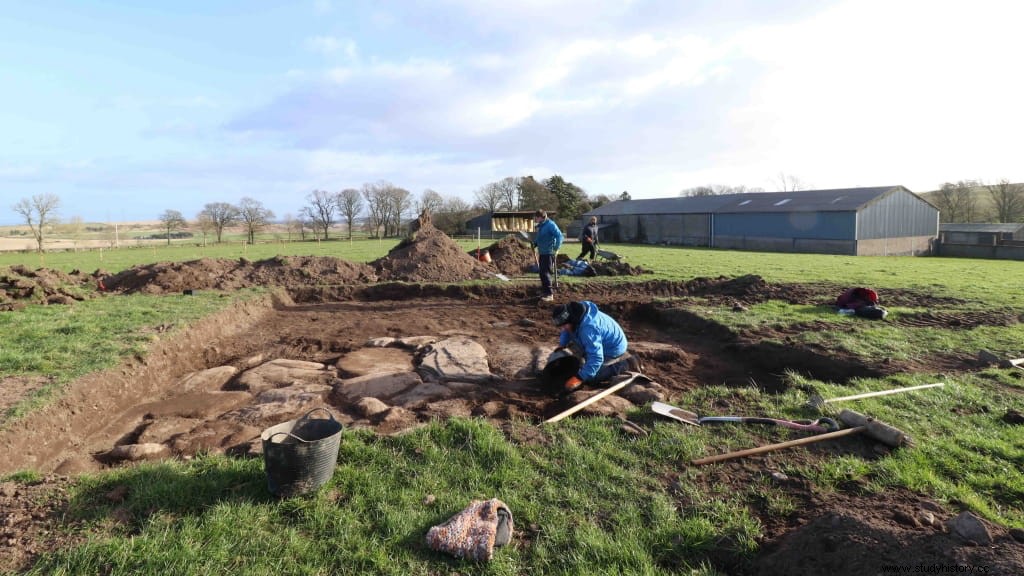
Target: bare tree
column 376, row 206
column 205, row 224
column 957, row 202
column 509, row 188
column 350, row 204
column 489, row 197
column 171, row 220
column 789, row 183
column 452, row 216
column 718, row 190
column 220, row 216
column 1007, row 201
column 39, row 212
column 254, row 216
column 430, row 201
column 320, row 211
column 399, row 204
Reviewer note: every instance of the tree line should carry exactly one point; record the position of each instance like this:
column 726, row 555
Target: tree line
column 379, row 208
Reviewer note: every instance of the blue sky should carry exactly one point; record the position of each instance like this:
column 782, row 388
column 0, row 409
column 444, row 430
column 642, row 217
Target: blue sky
column 125, row 109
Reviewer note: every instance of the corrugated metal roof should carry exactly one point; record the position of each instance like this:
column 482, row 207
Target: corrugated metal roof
column 1011, row 227
column 838, row 200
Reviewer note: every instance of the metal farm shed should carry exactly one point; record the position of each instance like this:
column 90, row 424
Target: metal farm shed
column 886, row 220
column 984, row 234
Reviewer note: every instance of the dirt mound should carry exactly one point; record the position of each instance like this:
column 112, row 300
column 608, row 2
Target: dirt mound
column 20, row 286
column 616, row 268
column 225, row 274
column 429, row 255
column 511, row 256
column 873, row 540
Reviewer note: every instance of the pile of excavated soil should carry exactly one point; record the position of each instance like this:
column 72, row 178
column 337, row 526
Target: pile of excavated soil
column 20, row 286
column 225, row 274
column 510, row 256
column 612, row 268
column 428, row 255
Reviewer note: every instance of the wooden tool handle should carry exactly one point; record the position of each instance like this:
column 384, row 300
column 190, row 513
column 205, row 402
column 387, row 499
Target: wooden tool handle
column 884, row 392
column 592, row 399
column 779, row 446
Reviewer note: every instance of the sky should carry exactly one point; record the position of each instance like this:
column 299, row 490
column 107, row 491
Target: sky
column 127, row 109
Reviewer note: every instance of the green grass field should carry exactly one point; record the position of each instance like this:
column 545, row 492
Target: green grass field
column 587, row 499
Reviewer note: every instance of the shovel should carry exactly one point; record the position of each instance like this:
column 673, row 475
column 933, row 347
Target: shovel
column 819, row 425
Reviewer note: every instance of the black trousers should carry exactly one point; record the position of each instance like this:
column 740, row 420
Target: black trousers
column 546, row 262
column 588, row 247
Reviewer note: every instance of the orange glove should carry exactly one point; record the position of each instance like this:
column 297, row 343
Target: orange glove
column 572, row 384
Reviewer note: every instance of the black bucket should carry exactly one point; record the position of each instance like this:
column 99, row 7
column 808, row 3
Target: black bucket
column 300, row 455
column 558, row 370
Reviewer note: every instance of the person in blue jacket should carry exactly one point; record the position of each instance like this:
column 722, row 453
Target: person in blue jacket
column 547, row 241
column 597, row 336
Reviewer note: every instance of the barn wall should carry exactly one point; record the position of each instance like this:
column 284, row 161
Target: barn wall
column 787, row 225
column 900, row 214
column 801, row 245
column 919, row 246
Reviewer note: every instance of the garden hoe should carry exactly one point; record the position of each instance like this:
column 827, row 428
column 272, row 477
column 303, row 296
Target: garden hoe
column 819, row 425
column 859, row 423
column 818, row 403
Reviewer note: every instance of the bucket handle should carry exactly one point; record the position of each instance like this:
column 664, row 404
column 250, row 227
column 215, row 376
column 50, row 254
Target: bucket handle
column 329, row 415
column 304, row 417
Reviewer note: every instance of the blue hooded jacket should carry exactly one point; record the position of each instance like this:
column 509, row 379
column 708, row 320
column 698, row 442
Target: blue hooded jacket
column 599, row 336
column 549, row 238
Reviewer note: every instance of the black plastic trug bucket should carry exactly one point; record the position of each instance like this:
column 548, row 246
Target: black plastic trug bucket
column 300, row 455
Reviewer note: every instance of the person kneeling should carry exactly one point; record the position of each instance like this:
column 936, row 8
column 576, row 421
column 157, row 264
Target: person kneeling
column 597, row 336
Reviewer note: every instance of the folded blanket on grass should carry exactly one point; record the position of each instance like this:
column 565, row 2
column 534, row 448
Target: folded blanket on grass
column 474, row 532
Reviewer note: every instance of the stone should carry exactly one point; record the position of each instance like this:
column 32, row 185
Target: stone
column 137, row 452
column 283, row 372
column 162, row 430
column 208, row 380
column 1017, row 534
column 214, row 437
column 456, row 358
column 970, row 528
column 368, row 361
column 380, row 386
column 423, row 392
column 369, row 407
column 201, row 405
column 416, row 342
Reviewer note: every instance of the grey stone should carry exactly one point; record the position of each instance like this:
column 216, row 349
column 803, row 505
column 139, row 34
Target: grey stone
column 164, row 429
column 281, row 373
column 424, row 392
column 457, row 358
column 381, row 386
column 369, row 407
column 137, row 452
column 207, row 380
column 416, row 342
column 970, row 528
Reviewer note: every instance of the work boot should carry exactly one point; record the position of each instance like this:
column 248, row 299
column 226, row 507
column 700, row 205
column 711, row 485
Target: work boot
column 548, row 298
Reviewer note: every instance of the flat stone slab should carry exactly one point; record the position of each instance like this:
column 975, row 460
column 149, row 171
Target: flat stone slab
column 199, row 405
column 380, row 386
column 281, row 373
column 208, row 380
column 458, row 358
column 366, row 361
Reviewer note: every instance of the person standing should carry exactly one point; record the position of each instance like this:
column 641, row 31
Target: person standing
column 588, row 238
column 597, row 336
column 547, row 241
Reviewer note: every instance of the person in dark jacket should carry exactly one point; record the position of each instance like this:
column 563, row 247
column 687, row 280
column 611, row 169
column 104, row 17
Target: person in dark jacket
column 595, row 335
column 547, row 241
column 588, row 239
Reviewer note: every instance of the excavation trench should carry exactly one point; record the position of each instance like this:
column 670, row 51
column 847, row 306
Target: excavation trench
column 215, row 386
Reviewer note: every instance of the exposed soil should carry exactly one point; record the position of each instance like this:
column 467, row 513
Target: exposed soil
column 373, row 354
